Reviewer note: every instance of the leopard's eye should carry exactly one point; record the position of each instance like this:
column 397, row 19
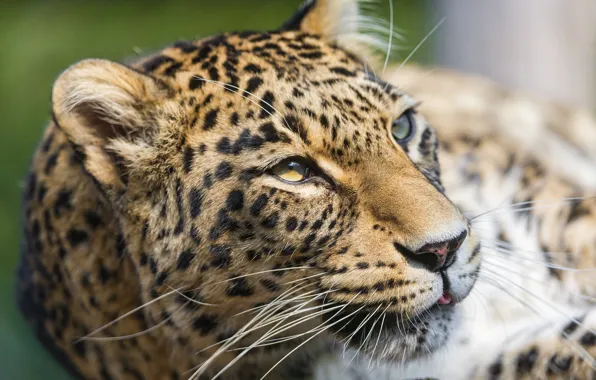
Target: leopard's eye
column 292, row 170
column 403, row 127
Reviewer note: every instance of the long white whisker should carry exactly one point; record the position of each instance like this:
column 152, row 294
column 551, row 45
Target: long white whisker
column 240, row 93
column 587, row 357
column 126, row 315
column 309, row 339
column 538, row 201
column 420, row 43
column 390, row 37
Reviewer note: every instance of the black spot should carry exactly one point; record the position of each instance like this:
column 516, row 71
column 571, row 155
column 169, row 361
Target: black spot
column 80, row 347
column 526, row 361
column 195, row 83
column 195, row 200
column 342, row 71
column 253, row 84
column 76, row 237
column 155, row 62
column 296, row 126
column 205, row 323
column 270, row 285
column 291, row 224
column 235, row 200
column 570, row 328
column 223, row 171
column 208, row 180
column 203, row 54
column 104, row 274
column 171, row 70
column 252, row 68
column 213, row 74
column 161, row 278
column 234, row 119
column 63, row 201
column 93, row 219
column 253, row 255
column 189, row 154
column 496, row 369
column 270, row 133
column 324, row 121
column 210, row 119
column 239, row 288
column 220, row 255
column 184, row 259
column 559, row 364
column 266, row 104
column 317, row 224
column 185, row 46
column 259, row 204
column 362, row 265
column 152, row 265
column 588, row 339
column 271, row 220
column 311, row 55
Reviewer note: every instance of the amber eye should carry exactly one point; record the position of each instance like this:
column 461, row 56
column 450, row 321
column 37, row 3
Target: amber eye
column 403, row 128
column 292, row 170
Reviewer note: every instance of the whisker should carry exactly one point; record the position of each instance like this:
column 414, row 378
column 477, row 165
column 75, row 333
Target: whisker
column 271, row 332
column 390, row 37
column 134, row 335
column 526, row 277
column 309, row 339
column 261, row 272
column 516, row 208
column 241, row 92
column 515, row 254
column 379, row 336
column 372, row 328
column 239, row 335
column 421, row 43
column 107, row 325
column 587, row 357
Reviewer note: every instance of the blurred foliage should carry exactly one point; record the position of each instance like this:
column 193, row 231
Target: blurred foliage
column 39, row 39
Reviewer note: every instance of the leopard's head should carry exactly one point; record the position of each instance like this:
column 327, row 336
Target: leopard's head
column 271, row 183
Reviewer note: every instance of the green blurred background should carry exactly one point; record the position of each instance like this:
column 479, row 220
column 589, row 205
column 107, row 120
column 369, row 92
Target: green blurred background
column 39, row 39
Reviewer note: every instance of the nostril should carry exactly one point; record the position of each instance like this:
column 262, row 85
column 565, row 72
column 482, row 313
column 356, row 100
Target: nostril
column 434, row 256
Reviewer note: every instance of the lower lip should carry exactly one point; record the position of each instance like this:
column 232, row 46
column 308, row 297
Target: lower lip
column 445, row 299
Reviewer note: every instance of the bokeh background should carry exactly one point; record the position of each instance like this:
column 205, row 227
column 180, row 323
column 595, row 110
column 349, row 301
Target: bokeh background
column 526, row 47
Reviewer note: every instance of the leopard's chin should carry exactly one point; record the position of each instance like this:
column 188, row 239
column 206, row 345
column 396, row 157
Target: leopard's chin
column 390, row 336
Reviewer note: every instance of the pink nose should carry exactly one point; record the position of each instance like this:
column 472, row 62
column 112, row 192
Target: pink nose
column 440, row 250
column 435, row 256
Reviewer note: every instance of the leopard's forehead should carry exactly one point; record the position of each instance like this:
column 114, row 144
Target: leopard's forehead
column 310, row 86
column 229, row 56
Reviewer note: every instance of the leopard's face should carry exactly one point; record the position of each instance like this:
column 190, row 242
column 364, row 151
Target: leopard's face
column 274, row 172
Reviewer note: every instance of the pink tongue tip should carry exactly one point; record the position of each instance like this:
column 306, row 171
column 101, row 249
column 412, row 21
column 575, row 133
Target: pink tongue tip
column 445, row 299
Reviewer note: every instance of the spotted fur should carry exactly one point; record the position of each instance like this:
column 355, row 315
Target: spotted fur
column 154, row 230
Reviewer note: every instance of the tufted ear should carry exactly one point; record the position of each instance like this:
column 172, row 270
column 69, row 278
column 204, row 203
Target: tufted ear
column 105, row 109
column 340, row 22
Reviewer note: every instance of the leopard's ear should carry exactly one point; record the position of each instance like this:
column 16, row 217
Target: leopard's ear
column 106, row 110
column 339, row 22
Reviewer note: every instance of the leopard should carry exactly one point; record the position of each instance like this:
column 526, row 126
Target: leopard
column 263, row 204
